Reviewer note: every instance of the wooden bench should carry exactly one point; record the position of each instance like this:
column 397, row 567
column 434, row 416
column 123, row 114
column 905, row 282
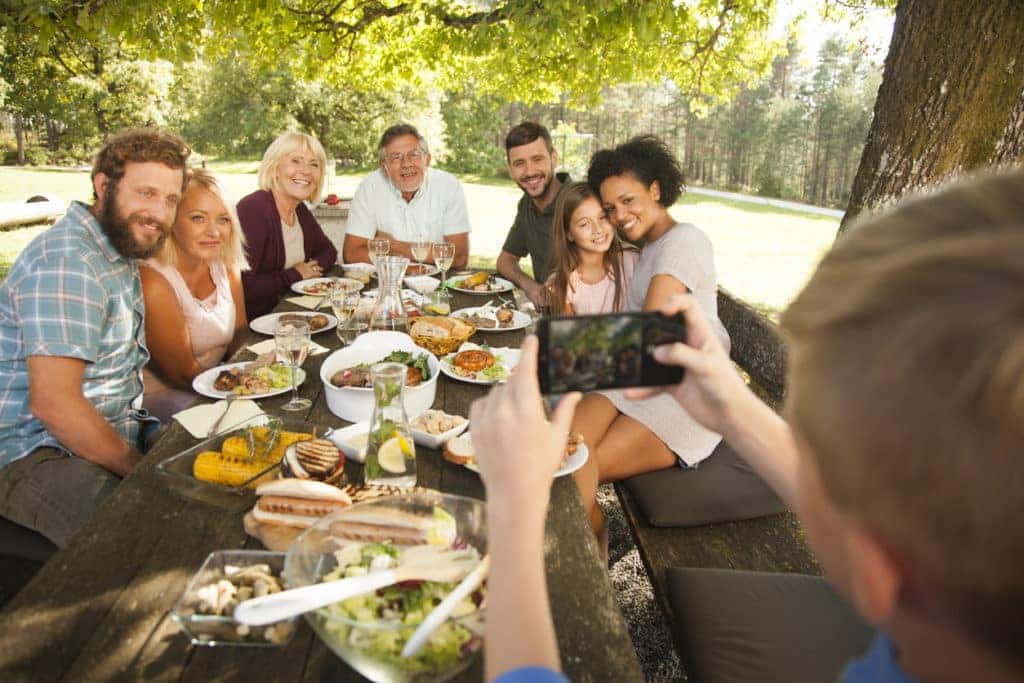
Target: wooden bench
column 773, row 543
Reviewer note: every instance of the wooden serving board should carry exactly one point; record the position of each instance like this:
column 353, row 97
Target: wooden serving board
column 278, row 537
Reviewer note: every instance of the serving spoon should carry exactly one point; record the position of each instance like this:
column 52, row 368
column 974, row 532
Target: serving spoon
column 446, row 567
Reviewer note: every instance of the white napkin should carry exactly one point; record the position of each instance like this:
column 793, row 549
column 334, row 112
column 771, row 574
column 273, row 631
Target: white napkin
column 267, row 346
column 198, row 419
column 308, row 301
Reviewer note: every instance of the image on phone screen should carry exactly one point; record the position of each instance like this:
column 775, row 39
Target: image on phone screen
column 594, row 352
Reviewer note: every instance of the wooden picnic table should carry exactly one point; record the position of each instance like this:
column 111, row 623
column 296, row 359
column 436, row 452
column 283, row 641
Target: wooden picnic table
column 99, row 609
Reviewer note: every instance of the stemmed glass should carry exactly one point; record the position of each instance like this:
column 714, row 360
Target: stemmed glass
column 344, row 304
column 444, row 254
column 420, row 251
column 379, row 246
column 292, row 343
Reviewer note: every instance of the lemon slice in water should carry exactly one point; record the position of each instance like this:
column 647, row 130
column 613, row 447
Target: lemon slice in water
column 391, row 455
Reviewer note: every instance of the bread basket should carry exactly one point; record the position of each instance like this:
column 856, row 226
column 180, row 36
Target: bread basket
column 427, row 332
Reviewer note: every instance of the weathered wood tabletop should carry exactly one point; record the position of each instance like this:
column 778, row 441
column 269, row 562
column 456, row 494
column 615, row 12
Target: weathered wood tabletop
column 99, row 609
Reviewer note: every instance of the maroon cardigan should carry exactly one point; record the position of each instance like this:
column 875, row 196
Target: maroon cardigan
column 266, row 280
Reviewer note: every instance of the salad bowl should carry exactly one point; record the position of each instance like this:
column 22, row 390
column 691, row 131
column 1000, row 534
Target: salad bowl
column 368, row 632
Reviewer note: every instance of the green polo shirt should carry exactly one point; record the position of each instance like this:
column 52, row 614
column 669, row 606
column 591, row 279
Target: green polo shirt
column 531, row 232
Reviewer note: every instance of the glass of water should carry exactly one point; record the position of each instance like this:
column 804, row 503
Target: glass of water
column 292, row 343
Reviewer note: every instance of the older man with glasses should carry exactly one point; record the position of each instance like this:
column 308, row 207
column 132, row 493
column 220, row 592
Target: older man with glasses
column 406, row 201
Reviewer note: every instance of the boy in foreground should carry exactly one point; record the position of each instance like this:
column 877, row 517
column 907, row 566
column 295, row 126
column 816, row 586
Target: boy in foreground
column 900, row 452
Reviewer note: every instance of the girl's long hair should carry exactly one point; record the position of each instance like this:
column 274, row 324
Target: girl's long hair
column 566, row 254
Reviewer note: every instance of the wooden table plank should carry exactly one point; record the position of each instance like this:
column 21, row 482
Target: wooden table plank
column 99, row 609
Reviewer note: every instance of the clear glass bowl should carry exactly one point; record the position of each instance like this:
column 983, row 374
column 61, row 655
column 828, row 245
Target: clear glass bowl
column 211, row 630
column 311, row 556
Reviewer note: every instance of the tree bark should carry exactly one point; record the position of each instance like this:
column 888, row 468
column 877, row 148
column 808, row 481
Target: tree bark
column 951, row 99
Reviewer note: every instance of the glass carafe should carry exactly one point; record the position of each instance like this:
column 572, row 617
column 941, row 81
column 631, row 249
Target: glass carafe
column 390, row 451
column 388, row 312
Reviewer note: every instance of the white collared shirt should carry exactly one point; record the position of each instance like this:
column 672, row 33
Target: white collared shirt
column 437, row 209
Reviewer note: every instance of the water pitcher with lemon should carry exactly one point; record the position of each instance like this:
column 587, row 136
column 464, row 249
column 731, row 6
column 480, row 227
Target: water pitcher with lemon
column 390, row 452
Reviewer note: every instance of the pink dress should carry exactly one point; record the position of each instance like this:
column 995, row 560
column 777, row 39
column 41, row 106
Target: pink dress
column 600, row 296
column 211, row 326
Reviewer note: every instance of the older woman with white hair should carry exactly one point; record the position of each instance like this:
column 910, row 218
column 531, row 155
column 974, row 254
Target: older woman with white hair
column 284, row 242
column 195, row 310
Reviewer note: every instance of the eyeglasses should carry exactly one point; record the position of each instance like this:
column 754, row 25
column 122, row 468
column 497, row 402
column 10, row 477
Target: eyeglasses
column 413, row 157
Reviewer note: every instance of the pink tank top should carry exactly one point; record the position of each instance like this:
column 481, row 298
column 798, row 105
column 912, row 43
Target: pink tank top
column 600, row 296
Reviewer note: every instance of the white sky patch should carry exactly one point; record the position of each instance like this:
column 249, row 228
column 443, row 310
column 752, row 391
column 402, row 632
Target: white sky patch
column 874, row 29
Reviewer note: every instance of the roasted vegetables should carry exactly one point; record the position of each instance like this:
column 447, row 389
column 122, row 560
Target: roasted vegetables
column 244, row 455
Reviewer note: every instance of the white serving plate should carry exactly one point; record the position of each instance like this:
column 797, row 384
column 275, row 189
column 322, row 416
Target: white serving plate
column 267, row 324
column 422, row 284
column 203, row 383
column 574, row 462
column 504, row 286
column 510, row 359
column 435, row 441
column 348, row 283
column 428, row 269
column 520, row 320
column 341, row 436
column 355, row 404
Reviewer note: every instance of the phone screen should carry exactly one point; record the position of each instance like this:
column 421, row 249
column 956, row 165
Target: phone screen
column 587, row 352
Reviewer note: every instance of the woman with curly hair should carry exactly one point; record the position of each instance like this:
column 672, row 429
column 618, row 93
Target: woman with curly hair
column 638, row 181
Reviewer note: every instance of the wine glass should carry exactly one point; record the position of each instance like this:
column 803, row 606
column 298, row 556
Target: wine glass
column 292, row 343
column 379, row 246
column 420, row 248
column 444, row 254
column 344, row 304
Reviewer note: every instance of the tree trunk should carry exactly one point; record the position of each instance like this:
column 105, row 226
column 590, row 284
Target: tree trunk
column 945, row 105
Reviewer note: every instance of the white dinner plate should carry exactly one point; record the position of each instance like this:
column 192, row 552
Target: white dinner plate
column 267, row 324
column 423, row 268
column 302, row 286
column 504, row 286
column 574, row 462
column 520, row 320
column 203, row 383
column 509, row 358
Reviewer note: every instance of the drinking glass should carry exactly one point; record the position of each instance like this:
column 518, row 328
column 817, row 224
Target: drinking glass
column 444, row 253
column 420, row 248
column 349, row 332
column 292, row 343
column 379, row 246
column 344, row 304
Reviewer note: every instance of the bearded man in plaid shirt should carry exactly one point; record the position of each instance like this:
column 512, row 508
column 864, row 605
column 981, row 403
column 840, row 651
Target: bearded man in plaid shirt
column 72, row 341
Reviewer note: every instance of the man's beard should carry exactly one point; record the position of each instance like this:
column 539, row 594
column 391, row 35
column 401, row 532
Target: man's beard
column 118, row 227
column 545, row 188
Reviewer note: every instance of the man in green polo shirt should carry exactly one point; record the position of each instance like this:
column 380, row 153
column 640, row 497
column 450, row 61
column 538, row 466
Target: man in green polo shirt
column 531, row 162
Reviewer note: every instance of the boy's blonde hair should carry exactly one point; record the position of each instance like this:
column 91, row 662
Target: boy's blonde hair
column 285, row 144
column 907, row 382
column 233, row 252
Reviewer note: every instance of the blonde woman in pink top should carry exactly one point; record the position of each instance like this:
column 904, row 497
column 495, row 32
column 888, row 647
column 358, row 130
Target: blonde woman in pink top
column 195, row 309
column 593, row 267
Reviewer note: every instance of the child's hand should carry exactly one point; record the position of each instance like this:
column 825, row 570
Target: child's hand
column 517, row 449
column 711, row 388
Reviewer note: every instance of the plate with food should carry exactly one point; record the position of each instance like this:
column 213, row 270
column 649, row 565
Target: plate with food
column 480, row 283
column 417, row 269
column 318, row 322
column 362, row 272
column 459, row 450
column 322, row 286
column 494, row 318
column 432, row 428
column 255, row 379
column 480, row 364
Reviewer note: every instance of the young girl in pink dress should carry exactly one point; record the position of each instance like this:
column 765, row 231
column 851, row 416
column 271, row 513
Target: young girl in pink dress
column 593, row 267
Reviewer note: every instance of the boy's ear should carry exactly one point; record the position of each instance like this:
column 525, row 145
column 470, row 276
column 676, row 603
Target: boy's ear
column 876, row 578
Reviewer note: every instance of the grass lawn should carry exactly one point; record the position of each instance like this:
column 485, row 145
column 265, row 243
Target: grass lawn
column 763, row 254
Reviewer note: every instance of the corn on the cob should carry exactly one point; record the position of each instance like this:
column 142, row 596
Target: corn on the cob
column 230, row 470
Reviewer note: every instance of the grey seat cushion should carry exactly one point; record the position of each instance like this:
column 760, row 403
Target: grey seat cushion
column 721, row 489
column 756, row 627
column 19, row 541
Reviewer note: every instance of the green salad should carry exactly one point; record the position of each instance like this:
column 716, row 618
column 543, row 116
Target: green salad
column 379, row 624
column 277, row 375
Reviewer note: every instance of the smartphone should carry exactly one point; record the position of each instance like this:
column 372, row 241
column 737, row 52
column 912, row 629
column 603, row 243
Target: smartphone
column 607, row 351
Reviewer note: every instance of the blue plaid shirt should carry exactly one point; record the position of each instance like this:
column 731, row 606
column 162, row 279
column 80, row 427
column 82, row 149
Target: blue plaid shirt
column 71, row 294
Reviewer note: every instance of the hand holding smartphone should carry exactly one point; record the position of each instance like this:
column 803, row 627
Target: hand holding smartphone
column 607, row 351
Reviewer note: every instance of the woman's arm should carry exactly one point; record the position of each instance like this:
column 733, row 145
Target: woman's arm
column 317, row 245
column 238, row 296
column 661, row 291
column 167, row 335
column 265, row 278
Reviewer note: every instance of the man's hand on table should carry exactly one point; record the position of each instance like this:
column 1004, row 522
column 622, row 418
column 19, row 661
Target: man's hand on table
column 517, row 449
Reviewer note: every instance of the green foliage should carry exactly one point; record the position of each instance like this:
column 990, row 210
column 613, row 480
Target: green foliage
column 474, row 125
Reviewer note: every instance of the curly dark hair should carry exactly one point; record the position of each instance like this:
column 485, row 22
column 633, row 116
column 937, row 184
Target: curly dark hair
column 645, row 157
column 140, row 144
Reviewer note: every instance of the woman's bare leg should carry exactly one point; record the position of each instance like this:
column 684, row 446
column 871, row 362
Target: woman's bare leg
column 594, row 415
column 629, row 448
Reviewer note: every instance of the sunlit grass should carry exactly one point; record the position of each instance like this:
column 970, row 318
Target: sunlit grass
column 763, row 254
